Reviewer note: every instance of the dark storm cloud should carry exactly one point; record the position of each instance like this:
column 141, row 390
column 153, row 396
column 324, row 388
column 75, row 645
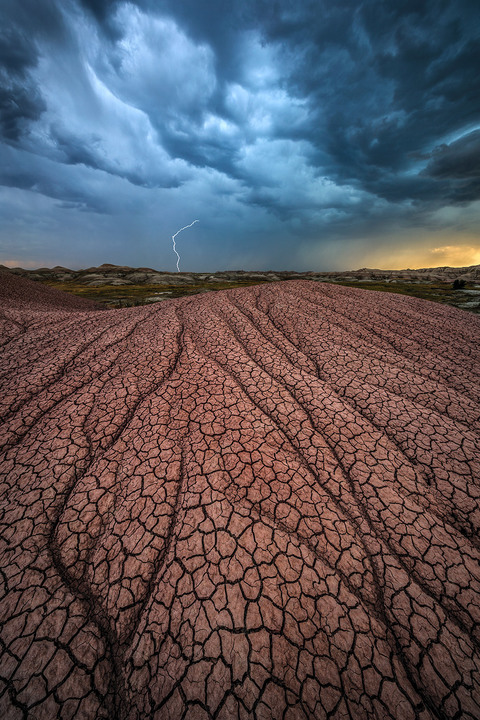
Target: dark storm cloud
column 214, row 22
column 101, row 9
column 17, row 53
column 330, row 114
column 19, row 104
column 88, row 151
column 382, row 81
column 50, row 187
column 459, row 160
column 35, row 19
column 457, row 167
column 21, row 170
column 374, row 77
column 21, row 24
column 385, row 86
column 20, row 100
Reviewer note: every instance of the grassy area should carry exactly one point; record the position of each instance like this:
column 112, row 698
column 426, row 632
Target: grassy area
column 437, row 292
column 131, row 295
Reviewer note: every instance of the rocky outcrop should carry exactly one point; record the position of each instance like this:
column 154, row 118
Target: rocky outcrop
column 257, row 503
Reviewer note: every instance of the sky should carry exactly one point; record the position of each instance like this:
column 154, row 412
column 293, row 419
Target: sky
column 301, row 134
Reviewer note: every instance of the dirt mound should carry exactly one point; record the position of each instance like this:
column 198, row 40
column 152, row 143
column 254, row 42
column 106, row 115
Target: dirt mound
column 259, row 503
column 17, row 292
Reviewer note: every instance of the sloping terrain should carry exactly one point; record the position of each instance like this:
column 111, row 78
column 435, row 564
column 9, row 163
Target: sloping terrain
column 116, row 286
column 17, row 294
column 258, row 503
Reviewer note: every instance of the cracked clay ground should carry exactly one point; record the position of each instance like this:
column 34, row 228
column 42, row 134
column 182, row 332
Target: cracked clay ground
column 260, row 503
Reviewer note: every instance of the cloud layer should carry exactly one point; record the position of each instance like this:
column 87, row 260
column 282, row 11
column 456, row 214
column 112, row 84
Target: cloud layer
column 293, row 131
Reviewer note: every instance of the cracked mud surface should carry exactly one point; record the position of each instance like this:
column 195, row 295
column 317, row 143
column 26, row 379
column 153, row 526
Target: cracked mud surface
column 261, row 503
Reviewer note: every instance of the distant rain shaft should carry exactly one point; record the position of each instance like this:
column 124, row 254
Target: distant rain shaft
column 174, row 244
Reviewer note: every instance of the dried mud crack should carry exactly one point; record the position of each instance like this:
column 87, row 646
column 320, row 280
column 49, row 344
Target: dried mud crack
column 257, row 503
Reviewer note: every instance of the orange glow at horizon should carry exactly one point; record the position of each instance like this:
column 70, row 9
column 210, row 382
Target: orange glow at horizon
column 457, row 255
column 400, row 258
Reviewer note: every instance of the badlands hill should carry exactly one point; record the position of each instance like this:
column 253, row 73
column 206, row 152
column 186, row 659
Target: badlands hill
column 257, row 503
column 108, row 274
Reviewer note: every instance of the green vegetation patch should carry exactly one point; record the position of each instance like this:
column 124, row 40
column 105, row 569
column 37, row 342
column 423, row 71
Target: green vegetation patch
column 132, row 295
column 434, row 291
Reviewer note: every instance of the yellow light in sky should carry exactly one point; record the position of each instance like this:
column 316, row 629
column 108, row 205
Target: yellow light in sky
column 456, row 255
column 405, row 255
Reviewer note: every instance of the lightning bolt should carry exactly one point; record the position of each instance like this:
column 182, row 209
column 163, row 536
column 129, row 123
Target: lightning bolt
column 174, row 244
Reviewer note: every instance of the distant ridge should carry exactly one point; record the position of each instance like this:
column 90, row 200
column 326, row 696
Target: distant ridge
column 108, row 273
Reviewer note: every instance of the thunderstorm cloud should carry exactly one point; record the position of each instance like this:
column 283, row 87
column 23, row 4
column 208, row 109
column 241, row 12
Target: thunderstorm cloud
column 305, row 135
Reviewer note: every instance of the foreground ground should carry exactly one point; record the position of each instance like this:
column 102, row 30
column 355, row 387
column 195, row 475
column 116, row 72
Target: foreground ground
column 260, row 503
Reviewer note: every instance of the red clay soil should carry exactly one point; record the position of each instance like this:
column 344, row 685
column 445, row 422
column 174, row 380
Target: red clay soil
column 17, row 293
column 256, row 503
